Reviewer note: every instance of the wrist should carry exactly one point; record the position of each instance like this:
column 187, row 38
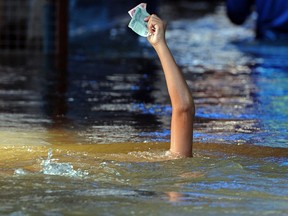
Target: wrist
column 160, row 45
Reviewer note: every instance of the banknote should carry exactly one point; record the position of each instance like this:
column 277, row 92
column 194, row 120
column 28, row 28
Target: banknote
column 133, row 10
column 137, row 23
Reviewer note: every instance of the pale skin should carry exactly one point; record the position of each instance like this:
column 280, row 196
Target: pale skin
column 183, row 109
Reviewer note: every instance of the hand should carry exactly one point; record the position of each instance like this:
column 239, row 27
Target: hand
column 156, row 28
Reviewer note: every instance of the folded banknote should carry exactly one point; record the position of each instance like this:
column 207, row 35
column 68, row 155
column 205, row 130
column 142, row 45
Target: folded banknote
column 133, row 10
column 137, row 23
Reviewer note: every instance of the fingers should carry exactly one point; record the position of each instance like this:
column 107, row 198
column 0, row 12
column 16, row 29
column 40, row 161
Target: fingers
column 154, row 23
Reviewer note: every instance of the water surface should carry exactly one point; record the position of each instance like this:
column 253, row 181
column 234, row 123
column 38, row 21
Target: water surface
column 93, row 140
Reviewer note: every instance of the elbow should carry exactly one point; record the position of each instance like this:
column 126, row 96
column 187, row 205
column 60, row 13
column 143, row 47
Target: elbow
column 187, row 108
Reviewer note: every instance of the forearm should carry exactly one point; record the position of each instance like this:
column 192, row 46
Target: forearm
column 177, row 87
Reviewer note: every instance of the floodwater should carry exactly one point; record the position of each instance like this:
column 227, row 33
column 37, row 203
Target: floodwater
column 93, row 140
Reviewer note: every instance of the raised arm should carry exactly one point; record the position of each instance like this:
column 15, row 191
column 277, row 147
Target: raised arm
column 183, row 110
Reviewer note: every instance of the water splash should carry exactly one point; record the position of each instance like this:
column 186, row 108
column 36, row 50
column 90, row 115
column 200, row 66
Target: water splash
column 20, row 172
column 62, row 169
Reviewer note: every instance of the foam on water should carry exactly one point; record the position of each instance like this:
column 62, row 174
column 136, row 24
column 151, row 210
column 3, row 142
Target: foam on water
column 49, row 167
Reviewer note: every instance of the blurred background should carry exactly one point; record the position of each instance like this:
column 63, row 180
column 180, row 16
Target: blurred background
column 54, row 27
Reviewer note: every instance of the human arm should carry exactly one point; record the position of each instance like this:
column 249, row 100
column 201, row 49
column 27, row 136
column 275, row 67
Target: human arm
column 183, row 110
column 239, row 10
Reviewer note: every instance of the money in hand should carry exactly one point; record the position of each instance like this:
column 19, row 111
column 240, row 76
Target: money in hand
column 137, row 23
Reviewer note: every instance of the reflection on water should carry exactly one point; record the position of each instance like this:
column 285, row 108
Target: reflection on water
column 107, row 125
